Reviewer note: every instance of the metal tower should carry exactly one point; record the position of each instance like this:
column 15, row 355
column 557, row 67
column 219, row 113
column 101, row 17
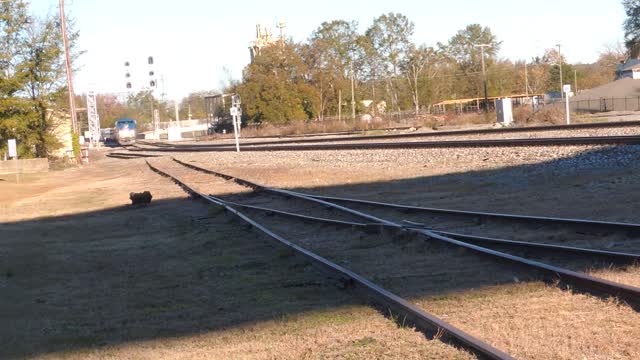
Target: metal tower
column 94, row 119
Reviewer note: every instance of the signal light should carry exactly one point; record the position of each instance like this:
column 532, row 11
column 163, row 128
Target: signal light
column 151, row 73
column 126, row 63
column 152, row 83
column 128, row 85
column 150, row 60
column 127, row 75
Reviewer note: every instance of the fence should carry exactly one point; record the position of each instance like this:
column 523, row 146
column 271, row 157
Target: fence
column 629, row 103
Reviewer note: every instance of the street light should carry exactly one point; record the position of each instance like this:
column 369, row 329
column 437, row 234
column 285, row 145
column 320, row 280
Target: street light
column 484, row 76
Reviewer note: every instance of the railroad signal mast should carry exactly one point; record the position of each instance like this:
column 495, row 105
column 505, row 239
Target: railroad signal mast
column 152, row 85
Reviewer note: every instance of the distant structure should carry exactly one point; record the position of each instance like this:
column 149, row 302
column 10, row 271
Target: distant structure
column 629, row 69
column 264, row 37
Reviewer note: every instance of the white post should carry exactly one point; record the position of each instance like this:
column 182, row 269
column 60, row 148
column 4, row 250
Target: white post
column 567, row 110
column 13, row 152
column 236, row 113
column 567, row 92
column 235, row 132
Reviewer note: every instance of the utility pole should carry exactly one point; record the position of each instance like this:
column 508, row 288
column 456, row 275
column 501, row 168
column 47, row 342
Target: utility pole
column 560, row 62
column 484, row 76
column 339, row 104
column 65, row 40
column 353, row 99
column 526, row 79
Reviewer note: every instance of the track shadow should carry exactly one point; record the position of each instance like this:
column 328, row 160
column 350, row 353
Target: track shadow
column 180, row 267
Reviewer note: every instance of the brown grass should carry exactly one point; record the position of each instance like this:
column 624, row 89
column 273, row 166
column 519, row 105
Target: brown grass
column 534, row 321
column 628, row 276
column 176, row 279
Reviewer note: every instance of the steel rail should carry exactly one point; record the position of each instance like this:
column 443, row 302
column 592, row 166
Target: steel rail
column 434, row 134
column 568, row 141
column 526, row 218
column 619, row 257
column 580, row 281
column 116, row 155
column 424, row 321
column 622, row 257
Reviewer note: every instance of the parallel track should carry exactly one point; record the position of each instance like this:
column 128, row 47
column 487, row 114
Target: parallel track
column 417, row 135
column 561, row 141
column 579, row 281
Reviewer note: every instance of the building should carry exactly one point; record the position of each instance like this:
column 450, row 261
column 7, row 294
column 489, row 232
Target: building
column 264, row 37
column 629, row 69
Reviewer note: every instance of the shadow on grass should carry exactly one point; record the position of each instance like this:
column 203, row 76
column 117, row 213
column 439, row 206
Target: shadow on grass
column 180, row 267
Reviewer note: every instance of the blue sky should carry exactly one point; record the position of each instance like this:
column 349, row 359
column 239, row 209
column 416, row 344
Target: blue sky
column 193, row 40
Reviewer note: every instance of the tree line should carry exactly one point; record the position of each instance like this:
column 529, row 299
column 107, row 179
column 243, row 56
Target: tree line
column 319, row 77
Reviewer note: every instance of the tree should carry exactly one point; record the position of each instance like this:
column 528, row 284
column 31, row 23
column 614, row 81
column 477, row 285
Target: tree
column 462, row 50
column 44, row 75
column 32, row 86
column 275, row 87
column 389, row 37
column 417, row 60
column 330, row 58
column 194, row 102
column 632, row 26
column 15, row 112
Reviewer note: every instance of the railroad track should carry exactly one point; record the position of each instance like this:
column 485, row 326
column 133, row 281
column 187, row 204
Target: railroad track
column 517, row 142
column 279, row 200
column 525, row 142
column 130, row 155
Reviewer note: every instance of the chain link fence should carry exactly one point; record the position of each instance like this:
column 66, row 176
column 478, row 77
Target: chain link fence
column 605, row 104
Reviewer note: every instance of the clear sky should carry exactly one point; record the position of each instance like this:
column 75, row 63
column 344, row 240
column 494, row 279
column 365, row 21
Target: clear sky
column 193, row 40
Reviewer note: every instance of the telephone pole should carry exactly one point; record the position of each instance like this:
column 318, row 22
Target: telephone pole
column 560, row 64
column 484, row 76
column 65, row 40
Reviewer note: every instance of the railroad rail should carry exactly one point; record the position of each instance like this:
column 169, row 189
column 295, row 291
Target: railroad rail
column 422, row 320
column 129, row 156
column 579, row 281
column 618, row 257
column 560, row 141
column 601, row 125
column 514, row 217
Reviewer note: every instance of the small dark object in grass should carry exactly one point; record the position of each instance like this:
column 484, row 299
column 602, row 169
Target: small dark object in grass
column 143, row 198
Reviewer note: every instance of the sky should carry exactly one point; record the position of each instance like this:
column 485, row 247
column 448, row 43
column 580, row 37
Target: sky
column 194, row 41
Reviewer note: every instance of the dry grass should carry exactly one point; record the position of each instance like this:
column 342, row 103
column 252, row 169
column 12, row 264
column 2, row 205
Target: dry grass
column 335, row 126
column 628, row 276
column 345, row 333
column 534, row 321
column 177, row 279
column 524, row 115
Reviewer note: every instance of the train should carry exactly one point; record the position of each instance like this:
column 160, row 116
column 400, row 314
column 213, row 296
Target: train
column 125, row 131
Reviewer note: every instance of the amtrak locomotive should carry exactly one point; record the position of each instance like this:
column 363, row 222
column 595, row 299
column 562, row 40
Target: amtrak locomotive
column 125, row 131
